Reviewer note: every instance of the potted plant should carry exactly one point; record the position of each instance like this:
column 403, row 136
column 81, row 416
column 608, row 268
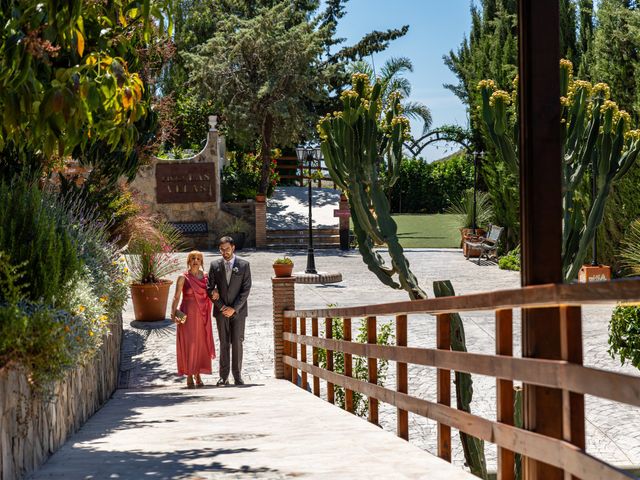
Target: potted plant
column 464, row 208
column 237, row 229
column 282, row 267
column 150, row 257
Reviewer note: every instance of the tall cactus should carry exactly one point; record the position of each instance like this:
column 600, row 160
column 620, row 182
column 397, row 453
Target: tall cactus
column 358, row 143
column 596, row 137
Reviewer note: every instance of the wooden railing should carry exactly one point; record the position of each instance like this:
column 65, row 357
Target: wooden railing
column 290, row 168
column 573, row 379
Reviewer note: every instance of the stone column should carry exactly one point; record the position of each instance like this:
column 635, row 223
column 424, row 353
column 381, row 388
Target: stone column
column 344, row 223
column 283, row 299
column 261, row 223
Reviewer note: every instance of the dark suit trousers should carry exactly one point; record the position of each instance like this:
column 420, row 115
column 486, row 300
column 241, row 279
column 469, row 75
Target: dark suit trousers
column 231, row 335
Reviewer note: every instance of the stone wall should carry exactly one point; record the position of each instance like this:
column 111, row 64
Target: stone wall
column 186, row 210
column 247, row 212
column 31, row 429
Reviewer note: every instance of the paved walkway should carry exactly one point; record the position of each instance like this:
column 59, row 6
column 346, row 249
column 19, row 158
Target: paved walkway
column 288, row 208
column 613, row 430
column 267, row 430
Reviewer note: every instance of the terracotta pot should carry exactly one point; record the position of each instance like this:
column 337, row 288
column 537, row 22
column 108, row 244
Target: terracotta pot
column 283, row 269
column 150, row 300
column 467, row 234
column 260, row 198
column 594, row 273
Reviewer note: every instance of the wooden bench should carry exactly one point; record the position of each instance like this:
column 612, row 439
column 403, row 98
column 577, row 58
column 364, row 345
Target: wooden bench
column 488, row 245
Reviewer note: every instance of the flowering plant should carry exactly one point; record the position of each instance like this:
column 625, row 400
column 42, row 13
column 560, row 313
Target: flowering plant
column 150, row 250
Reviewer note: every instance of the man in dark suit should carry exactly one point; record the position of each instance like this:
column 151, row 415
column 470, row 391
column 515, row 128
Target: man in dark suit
column 228, row 286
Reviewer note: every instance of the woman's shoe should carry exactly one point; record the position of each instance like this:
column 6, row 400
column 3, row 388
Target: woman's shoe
column 190, row 383
column 199, row 382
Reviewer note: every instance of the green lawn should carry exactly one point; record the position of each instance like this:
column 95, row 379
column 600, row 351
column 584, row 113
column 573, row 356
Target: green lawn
column 428, row 231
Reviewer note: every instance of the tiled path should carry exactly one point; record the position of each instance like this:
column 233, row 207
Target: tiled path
column 613, row 430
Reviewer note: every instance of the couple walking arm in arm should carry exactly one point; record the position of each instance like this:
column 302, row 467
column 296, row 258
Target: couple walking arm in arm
column 228, row 286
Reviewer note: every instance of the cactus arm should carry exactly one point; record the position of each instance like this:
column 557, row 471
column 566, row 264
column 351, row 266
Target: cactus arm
column 473, row 447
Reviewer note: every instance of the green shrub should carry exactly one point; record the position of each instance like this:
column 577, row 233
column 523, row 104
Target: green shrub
column 360, row 369
column 430, row 187
column 241, row 177
column 510, row 261
column 624, row 335
column 33, row 231
column 464, row 208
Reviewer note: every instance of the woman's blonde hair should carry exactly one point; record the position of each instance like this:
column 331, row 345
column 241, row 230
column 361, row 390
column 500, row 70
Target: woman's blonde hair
column 198, row 254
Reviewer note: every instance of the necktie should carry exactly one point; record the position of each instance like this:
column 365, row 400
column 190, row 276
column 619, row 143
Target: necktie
column 227, row 268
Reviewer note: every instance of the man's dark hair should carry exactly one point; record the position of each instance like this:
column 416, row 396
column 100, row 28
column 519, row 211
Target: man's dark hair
column 226, row 239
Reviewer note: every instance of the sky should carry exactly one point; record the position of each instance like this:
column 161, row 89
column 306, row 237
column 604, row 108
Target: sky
column 435, row 28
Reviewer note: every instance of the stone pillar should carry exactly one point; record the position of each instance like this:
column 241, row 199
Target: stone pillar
column 261, row 223
column 283, row 299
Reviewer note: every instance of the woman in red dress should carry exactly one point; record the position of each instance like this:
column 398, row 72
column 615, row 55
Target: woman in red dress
column 194, row 344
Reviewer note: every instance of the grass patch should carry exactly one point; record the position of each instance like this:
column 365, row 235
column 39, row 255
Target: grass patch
column 428, row 231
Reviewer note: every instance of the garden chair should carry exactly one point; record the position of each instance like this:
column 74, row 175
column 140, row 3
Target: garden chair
column 488, row 245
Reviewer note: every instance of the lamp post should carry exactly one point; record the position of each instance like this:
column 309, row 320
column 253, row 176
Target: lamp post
column 310, row 153
column 476, row 156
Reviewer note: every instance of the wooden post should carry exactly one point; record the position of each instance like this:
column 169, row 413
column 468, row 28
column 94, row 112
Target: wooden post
column 283, row 290
column 372, row 363
column 573, row 430
column 443, row 342
column 348, row 367
column 504, row 391
column 293, row 348
column 331, row 396
column 540, row 208
column 303, row 351
column 316, row 380
column 402, row 384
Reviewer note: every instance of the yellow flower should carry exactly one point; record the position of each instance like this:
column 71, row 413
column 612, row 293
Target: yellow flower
column 499, row 95
column 81, row 309
column 90, row 333
column 103, row 298
column 602, row 87
column 126, row 270
column 489, row 84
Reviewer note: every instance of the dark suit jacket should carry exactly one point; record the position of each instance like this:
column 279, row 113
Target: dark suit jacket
column 236, row 293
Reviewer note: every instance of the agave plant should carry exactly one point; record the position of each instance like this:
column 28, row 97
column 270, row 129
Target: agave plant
column 630, row 251
column 464, row 208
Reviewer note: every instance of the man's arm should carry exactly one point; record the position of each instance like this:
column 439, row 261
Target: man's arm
column 211, row 281
column 241, row 299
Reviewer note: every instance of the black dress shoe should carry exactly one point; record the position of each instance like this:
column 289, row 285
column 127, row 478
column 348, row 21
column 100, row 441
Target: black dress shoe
column 222, row 382
column 239, row 381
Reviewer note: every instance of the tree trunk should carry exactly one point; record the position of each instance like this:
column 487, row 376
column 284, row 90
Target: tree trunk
column 267, row 132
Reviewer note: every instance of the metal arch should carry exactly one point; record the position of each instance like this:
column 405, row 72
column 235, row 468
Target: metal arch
column 439, row 135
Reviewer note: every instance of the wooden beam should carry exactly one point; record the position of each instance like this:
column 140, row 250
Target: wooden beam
column 540, row 208
column 504, row 391
column 443, row 342
column 303, row 351
column 548, row 295
column 348, row 366
column 402, row 381
column 316, row 380
column 372, row 367
column 328, row 325
column 614, row 386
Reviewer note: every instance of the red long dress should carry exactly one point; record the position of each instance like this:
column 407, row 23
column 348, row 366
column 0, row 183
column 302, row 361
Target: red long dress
column 194, row 345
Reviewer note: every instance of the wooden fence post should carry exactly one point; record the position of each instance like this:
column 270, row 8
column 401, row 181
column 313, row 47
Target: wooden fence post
column 283, row 299
column 443, row 342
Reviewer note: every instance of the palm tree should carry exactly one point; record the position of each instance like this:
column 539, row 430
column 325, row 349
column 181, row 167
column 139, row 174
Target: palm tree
column 393, row 81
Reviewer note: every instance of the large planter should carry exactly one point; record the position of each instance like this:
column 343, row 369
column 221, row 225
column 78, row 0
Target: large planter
column 468, row 234
column 282, row 269
column 150, row 300
column 594, row 273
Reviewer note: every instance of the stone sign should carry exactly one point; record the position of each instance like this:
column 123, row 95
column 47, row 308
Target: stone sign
column 185, row 182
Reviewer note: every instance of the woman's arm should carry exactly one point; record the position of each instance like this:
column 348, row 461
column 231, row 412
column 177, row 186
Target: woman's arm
column 176, row 297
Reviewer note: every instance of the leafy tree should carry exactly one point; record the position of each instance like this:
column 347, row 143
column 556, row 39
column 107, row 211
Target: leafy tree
column 69, row 80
